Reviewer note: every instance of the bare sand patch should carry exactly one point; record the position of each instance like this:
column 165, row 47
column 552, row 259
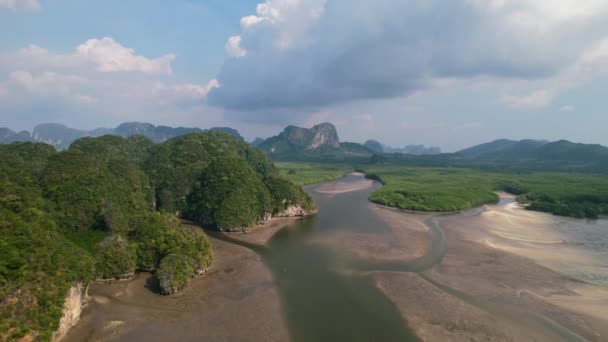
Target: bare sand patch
column 496, row 282
column 529, row 260
column 437, row 316
column 339, row 187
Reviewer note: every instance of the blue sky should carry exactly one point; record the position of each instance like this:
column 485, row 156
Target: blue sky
column 404, row 72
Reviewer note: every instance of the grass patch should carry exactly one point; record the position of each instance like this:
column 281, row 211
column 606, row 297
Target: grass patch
column 453, row 188
column 309, row 173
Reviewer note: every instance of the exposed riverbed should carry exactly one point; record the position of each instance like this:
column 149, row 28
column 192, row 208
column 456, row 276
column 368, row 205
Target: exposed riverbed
column 361, row 272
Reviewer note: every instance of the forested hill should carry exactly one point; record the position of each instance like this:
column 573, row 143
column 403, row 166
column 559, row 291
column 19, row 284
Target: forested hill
column 62, row 136
column 110, row 206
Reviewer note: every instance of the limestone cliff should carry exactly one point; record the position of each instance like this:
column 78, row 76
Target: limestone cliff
column 296, row 211
column 72, row 308
column 297, row 138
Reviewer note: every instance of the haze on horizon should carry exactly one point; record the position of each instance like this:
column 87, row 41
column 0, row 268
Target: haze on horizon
column 403, row 72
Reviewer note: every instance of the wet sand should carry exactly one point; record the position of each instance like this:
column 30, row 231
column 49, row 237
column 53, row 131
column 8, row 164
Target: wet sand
column 573, row 251
column 261, row 234
column 236, row 301
column 402, row 238
column 486, row 289
column 340, row 187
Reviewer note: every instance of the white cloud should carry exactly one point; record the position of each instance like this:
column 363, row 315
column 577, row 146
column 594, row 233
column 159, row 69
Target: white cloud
column 100, row 80
column 30, row 5
column 250, row 21
column 195, row 91
column 110, row 56
column 538, row 99
column 596, row 54
column 233, row 47
column 49, row 85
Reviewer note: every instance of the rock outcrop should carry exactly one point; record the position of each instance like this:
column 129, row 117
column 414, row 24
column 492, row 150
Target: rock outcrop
column 297, row 138
column 296, row 211
column 320, row 141
column 74, row 304
column 324, row 134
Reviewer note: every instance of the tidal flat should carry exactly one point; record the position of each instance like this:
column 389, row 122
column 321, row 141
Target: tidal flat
column 362, row 272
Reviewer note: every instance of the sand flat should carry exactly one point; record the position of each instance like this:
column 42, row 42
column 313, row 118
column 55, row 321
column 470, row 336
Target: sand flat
column 506, row 275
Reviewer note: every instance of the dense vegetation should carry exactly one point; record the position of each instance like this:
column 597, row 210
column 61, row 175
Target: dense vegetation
column 432, row 189
column 106, row 208
column 310, row 173
column 579, row 195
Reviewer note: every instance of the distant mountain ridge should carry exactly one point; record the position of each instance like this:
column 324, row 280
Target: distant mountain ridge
column 320, row 141
column 537, row 150
column 416, row 150
column 61, row 136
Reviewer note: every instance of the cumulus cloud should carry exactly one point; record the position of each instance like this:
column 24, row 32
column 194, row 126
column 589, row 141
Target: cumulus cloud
column 110, row 56
column 100, row 79
column 20, row 4
column 233, row 47
column 103, row 54
column 310, row 54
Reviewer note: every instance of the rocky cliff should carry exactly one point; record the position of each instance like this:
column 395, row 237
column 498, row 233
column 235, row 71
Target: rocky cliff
column 73, row 306
column 294, row 139
column 296, row 211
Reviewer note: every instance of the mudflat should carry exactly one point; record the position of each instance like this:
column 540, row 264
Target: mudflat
column 236, row 300
column 491, row 287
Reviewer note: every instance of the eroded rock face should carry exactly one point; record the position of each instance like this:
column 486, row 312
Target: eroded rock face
column 300, row 139
column 324, row 134
column 295, row 211
column 72, row 308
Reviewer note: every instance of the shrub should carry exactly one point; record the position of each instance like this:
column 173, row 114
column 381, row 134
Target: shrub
column 174, row 273
column 114, row 258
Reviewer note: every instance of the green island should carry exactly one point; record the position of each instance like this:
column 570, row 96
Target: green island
column 109, row 207
column 447, row 189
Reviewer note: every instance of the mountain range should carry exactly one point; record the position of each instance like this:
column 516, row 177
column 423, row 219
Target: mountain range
column 61, row 136
column 378, row 147
column 322, row 143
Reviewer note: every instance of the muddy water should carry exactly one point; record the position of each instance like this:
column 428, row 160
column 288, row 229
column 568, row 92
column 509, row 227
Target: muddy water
column 321, row 303
column 318, row 291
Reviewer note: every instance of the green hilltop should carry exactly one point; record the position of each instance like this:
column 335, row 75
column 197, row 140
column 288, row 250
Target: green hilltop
column 111, row 206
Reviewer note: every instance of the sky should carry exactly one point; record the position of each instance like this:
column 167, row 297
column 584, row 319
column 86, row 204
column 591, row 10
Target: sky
column 442, row 73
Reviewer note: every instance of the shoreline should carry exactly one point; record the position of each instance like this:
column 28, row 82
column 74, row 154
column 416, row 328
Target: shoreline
column 237, row 287
column 261, row 234
column 476, row 284
column 474, row 291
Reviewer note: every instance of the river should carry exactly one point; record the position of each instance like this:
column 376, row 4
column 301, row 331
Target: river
column 325, row 284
